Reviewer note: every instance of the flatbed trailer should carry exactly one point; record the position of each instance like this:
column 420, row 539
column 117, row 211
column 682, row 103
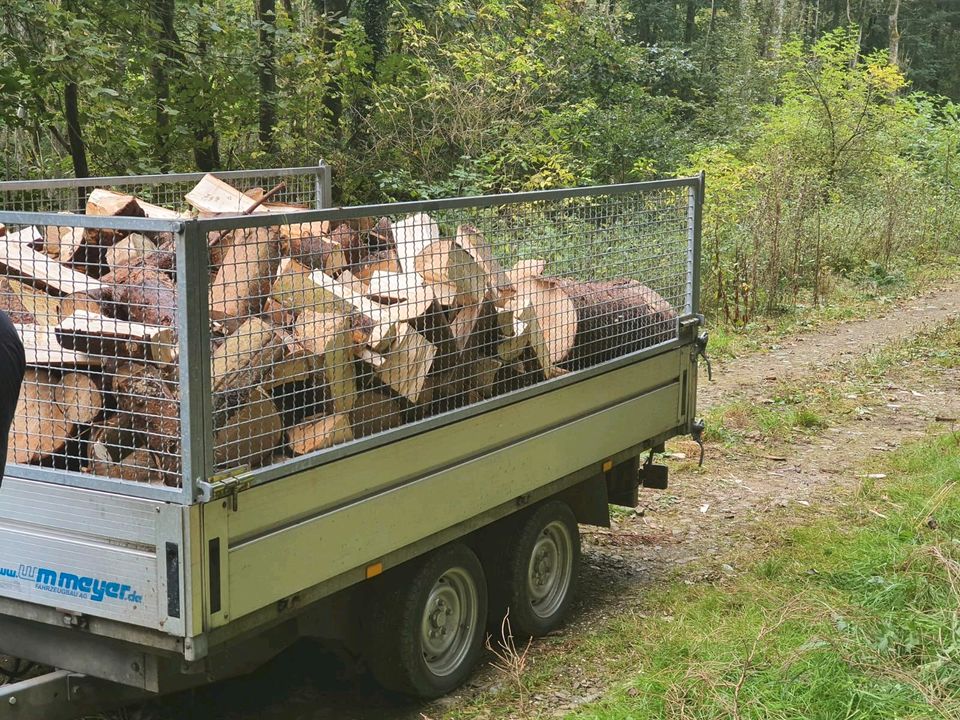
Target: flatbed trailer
column 398, row 544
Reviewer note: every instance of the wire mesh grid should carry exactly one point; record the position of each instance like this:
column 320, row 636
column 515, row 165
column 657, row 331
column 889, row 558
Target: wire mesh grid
column 96, row 311
column 161, row 196
column 334, row 330
column 323, row 331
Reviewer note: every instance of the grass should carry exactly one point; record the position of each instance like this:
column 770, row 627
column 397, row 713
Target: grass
column 853, row 616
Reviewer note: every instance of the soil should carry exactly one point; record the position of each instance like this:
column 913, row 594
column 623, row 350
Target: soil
column 693, row 531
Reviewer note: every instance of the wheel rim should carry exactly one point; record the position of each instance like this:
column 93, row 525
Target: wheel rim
column 450, row 618
column 550, row 569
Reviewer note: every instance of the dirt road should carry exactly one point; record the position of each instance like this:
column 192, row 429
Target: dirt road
column 686, row 530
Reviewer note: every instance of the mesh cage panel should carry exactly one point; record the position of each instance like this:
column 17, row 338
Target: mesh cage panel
column 321, row 332
column 334, row 330
column 166, row 192
column 96, row 311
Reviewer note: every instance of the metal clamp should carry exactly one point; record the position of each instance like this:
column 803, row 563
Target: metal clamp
column 696, row 432
column 701, row 351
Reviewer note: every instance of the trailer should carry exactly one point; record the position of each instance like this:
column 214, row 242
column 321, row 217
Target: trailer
column 399, row 518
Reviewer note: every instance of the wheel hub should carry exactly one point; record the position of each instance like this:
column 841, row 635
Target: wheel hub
column 449, row 618
column 550, row 570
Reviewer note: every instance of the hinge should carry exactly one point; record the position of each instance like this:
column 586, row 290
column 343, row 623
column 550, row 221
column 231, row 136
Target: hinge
column 226, row 485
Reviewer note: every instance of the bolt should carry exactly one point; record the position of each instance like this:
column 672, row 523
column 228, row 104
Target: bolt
column 12, row 700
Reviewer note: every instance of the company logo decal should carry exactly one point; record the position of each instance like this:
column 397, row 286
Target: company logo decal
column 78, row 586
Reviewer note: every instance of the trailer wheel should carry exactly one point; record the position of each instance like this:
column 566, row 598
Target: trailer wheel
column 427, row 630
column 540, row 574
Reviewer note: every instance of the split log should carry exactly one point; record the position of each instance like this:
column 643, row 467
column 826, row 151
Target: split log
column 133, row 250
column 99, row 301
column 160, row 213
column 137, row 466
column 244, row 356
column 59, row 242
column 407, row 363
column 319, row 432
column 375, row 411
column 431, row 264
column 310, row 244
column 331, row 338
column 212, row 195
column 88, row 255
column 250, row 433
column 42, row 348
column 412, row 235
column 39, row 303
column 550, row 317
column 96, row 334
column 348, row 240
column 40, row 429
column 243, row 281
column 387, row 287
column 378, row 261
column 13, row 306
column 144, row 396
column 473, row 243
column 39, row 270
column 78, row 397
column 296, row 290
column 296, row 366
column 109, row 203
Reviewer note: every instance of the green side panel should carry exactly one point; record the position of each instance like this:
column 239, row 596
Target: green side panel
column 366, row 506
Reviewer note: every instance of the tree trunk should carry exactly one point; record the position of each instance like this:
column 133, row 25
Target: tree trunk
column 206, row 149
column 690, row 24
column 78, row 149
column 895, row 34
column 267, row 73
column 163, row 14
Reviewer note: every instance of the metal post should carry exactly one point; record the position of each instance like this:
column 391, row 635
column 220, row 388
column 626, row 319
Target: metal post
column 689, row 307
column 698, row 242
column 193, row 333
column 324, row 188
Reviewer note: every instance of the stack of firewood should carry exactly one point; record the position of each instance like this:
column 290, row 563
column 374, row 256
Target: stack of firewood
column 321, row 332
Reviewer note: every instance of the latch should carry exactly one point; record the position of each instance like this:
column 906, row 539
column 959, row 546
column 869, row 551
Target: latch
column 226, row 485
column 701, row 346
column 696, row 432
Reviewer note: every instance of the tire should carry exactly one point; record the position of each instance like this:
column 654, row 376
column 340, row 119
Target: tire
column 426, row 625
column 538, row 581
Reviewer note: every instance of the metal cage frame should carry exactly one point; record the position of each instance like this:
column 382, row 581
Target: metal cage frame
column 200, row 483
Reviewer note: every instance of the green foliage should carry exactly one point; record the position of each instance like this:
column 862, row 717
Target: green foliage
column 826, row 163
column 828, row 182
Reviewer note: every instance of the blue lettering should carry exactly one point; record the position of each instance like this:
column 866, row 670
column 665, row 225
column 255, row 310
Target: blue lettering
column 69, row 581
column 7, row 572
column 73, row 585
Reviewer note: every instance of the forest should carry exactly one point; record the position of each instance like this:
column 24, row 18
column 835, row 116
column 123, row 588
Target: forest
column 829, row 129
